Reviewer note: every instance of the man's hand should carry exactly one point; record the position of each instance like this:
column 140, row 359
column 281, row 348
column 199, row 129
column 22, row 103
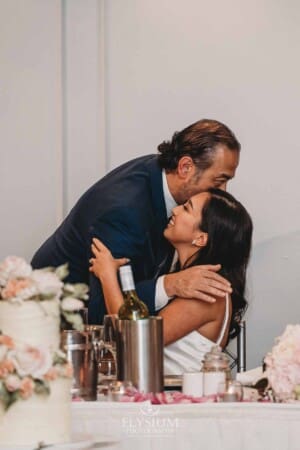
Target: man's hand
column 199, row 282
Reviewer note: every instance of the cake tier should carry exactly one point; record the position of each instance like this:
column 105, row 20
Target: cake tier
column 41, row 418
column 33, row 323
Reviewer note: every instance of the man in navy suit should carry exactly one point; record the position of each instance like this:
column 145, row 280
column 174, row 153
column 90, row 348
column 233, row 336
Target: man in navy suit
column 128, row 210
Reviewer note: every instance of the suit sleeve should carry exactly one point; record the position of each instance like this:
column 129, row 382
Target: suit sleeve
column 124, row 232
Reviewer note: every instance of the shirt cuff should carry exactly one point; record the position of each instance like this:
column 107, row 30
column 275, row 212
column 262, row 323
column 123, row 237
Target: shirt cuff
column 161, row 297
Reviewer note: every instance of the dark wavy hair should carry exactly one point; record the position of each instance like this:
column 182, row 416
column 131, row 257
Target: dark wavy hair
column 229, row 228
column 199, row 141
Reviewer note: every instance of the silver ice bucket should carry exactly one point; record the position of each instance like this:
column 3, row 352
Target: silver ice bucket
column 81, row 353
column 140, row 353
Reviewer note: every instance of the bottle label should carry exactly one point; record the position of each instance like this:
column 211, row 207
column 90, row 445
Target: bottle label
column 126, row 278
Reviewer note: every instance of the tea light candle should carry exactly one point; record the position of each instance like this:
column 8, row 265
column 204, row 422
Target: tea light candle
column 230, row 397
column 230, row 391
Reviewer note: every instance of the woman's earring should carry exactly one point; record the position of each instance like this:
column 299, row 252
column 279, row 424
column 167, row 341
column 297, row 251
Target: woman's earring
column 194, row 242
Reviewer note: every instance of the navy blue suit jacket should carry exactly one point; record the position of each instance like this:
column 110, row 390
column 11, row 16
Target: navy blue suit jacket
column 126, row 210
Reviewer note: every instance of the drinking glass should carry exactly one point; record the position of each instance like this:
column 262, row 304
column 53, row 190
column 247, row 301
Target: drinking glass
column 110, row 333
column 96, row 333
column 106, row 371
column 107, row 364
column 230, row 391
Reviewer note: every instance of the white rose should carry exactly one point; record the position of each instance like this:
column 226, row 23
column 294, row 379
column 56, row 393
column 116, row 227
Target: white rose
column 14, row 267
column 75, row 320
column 48, row 284
column 71, row 304
column 31, row 361
column 12, row 383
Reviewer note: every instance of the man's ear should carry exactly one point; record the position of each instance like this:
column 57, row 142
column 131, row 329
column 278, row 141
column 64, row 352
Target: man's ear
column 185, row 166
column 201, row 240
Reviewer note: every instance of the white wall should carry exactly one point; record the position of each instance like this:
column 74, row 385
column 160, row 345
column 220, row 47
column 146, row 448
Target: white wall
column 108, row 80
column 83, row 96
column 51, row 114
column 30, row 123
column 170, row 63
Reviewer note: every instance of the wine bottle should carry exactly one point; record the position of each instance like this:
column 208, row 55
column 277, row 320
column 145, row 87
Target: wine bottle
column 133, row 308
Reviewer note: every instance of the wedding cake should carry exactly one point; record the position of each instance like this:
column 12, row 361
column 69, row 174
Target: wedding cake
column 35, row 377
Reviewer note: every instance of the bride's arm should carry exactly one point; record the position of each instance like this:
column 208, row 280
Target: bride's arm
column 181, row 316
column 105, row 267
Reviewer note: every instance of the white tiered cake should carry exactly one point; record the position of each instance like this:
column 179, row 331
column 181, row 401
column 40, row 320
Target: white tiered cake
column 35, row 378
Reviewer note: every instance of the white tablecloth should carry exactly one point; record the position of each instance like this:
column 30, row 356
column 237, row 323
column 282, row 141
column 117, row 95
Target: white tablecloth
column 211, row 426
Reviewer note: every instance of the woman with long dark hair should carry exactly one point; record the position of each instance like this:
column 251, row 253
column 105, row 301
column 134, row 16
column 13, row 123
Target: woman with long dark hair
column 210, row 228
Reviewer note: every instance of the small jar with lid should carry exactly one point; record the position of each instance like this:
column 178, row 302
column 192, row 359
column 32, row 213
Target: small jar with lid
column 215, row 370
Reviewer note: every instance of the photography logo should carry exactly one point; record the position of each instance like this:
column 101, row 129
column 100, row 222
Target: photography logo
column 149, row 410
column 149, row 421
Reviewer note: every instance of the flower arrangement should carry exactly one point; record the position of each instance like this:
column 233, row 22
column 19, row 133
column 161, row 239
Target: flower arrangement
column 25, row 370
column 283, row 365
column 19, row 283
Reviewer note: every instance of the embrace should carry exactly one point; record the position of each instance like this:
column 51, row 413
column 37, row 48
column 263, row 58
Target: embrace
column 210, row 227
column 201, row 296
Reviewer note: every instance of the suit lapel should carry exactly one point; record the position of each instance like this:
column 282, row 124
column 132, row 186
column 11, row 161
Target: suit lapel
column 163, row 251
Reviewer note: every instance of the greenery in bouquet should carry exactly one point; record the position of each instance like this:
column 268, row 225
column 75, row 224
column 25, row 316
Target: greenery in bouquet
column 283, row 365
column 27, row 370
column 19, row 282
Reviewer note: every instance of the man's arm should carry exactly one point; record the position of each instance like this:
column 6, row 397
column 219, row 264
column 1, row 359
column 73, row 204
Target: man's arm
column 180, row 316
column 197, row 282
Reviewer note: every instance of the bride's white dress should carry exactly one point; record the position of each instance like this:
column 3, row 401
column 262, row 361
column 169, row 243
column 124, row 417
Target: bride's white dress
column 186, row 354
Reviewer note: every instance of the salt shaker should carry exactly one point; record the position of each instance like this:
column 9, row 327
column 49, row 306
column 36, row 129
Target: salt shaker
column 215, row 370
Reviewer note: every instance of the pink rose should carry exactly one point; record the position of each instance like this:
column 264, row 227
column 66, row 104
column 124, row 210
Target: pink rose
column 283, row 362
column 12, row 383
column 33, row 361
column 13, row 267
column 281, row 383
column 26, row 388
column 6, row 367
column 52, row 374
column 22, row 288
column 7, row 341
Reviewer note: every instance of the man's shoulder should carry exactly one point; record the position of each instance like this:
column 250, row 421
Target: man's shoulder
column 135, row 184
column 128, row 181
column 146, row 163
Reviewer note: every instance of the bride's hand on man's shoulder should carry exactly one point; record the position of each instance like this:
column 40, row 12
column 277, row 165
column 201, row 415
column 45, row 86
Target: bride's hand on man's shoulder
column 103, row 263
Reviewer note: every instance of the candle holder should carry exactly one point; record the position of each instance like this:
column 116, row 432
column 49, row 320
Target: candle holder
column 119, row 389
column 230, row 391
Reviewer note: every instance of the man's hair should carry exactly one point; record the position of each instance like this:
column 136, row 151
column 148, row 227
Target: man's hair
column 199, row 141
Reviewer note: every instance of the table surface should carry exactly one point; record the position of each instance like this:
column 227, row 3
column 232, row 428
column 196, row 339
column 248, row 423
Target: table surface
column 217, row 426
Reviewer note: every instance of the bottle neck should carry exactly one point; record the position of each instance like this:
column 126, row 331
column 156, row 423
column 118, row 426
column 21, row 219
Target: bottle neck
column 129, row 294
column 126, row 278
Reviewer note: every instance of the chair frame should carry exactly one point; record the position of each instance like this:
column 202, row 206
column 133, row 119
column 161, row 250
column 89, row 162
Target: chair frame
column 239, row 360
